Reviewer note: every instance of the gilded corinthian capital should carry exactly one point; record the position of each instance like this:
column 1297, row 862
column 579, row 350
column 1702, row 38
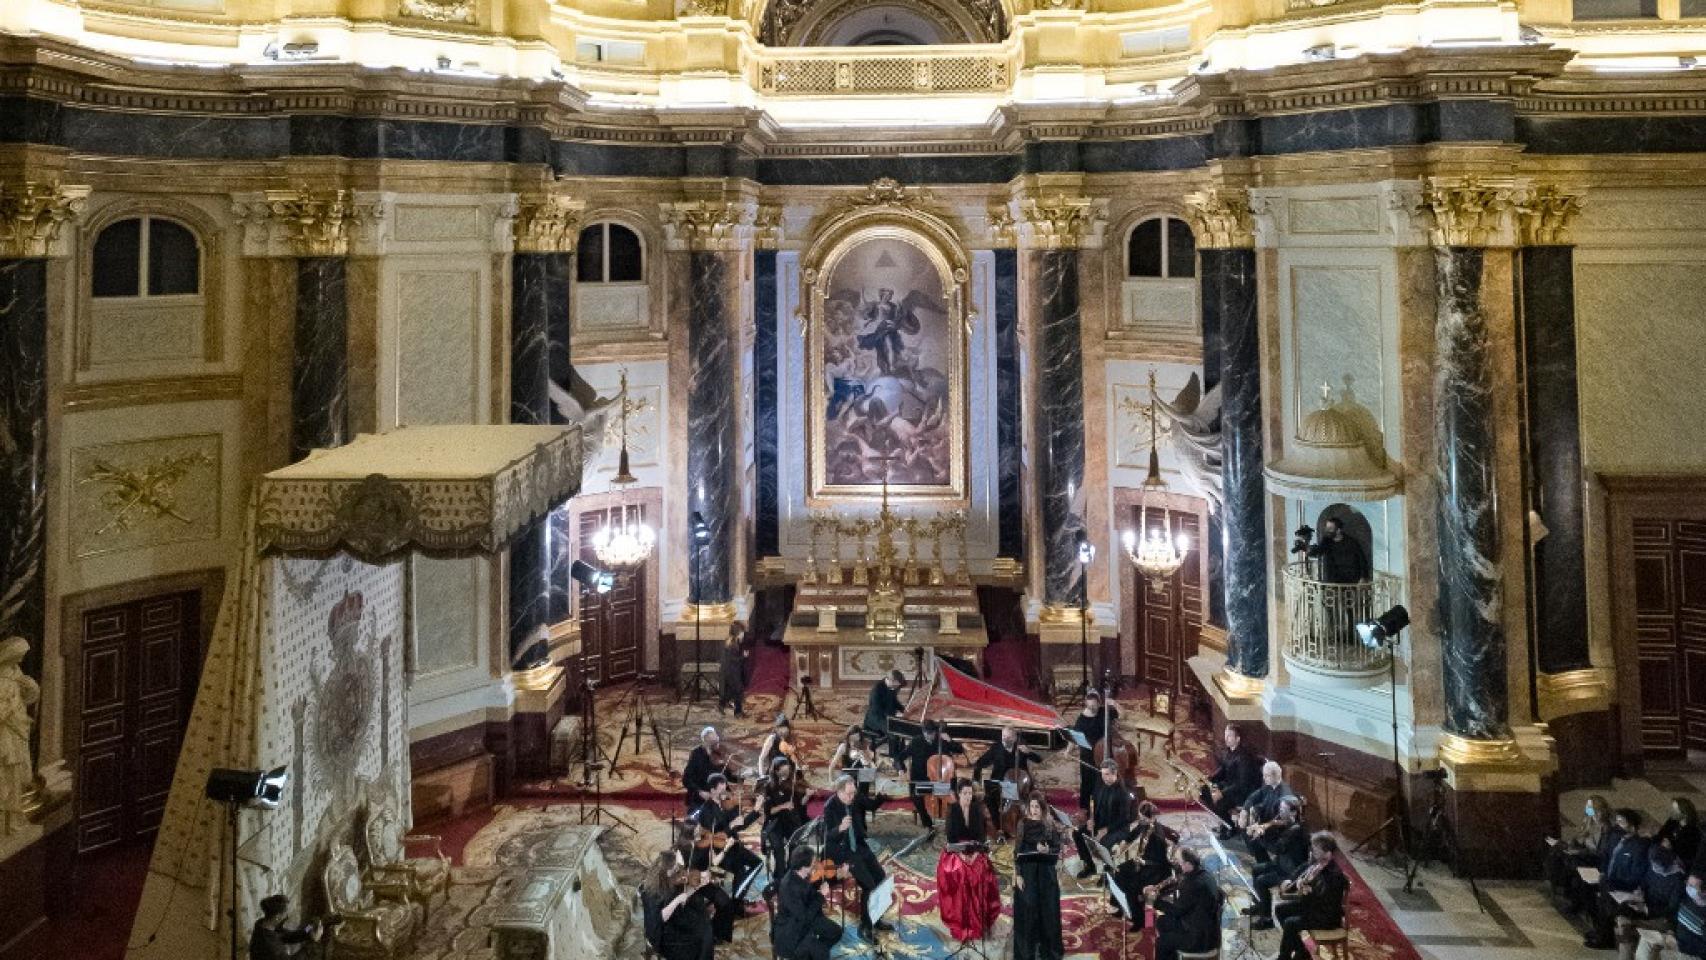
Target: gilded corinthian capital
column 31, row 213
column 546, row 223
column 1470, row 212
column 1062, row 221
column 1543, row 215
column 709, row 224
column 1221, row 218
column 315, row 223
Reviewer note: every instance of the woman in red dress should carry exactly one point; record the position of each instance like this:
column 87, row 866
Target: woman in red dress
column 967, row 892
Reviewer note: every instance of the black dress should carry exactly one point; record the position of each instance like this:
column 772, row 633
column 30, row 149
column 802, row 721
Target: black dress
column 1036, row 901
column 1091, row 727
column 686, row 935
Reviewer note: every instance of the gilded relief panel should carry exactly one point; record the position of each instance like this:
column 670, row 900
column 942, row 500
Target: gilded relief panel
column 144, row 493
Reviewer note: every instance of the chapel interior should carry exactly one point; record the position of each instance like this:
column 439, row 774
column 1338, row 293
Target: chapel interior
column 419, row 419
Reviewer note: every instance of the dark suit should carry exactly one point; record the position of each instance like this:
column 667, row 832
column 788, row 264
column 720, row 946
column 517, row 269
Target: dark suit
column 1323, row 908
column 737, row 860
column 800, row 930
column 918, row 755
column 848, row 847
column 686, row 935
column 879, row 707
column 1287, row 849
column 1190, row 920
column 695, row 776
column 1263, row 806
column 1091, row 728
column 1237, row 773
column 998, row 760
column 1111, row 811
column 277, row 943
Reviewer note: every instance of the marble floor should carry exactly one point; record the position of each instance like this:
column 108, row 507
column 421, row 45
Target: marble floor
column 1445, row 919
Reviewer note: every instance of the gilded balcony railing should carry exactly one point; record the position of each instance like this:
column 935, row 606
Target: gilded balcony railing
column 841, row 71
column 1321, row 619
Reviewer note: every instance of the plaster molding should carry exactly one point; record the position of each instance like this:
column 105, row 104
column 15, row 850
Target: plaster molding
column 31, row 215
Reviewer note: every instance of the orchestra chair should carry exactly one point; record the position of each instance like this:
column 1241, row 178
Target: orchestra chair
column 1332, row 944
column 1205, row 955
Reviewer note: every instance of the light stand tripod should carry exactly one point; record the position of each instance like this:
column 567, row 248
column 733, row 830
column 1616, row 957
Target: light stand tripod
column 1402, row 817
column 699, row 533
column 592, row 768
column 803, row 699
column 640, row 716
column 1086, row 556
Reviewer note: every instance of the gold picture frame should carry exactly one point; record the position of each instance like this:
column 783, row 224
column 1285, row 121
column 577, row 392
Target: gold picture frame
column 896, row 224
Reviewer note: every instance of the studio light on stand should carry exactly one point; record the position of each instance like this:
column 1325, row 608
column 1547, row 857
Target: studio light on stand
column 1086, row 556
column 1381, row 633
column 591, row 577
column 236, row 789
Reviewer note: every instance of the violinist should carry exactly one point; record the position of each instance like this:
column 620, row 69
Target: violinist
column 1149, row 860
column 1314, row 898
column 930, row 742
column 1036, row 887
column 1004, row 758
column 853, row 753
column 1187, row 917
column 1110, row 817
column 1092, row 722
column 779, row 742
column 677, row 914
column 1262, row 806
column 784, row 809
column 883, row 704
column 1287, row 848
column 845, row 844
column 1236, row 774
column 717, row 845
column 708, row 758
column 968, row 894
column 800, row 930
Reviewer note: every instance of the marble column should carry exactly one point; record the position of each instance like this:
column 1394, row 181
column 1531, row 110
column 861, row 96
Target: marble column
column 1226, row 276
column 32, row 213
column 711, row 426
column 1009, row 425
column 319, row 364
column 765, row 439
column 1060, row 392
column 545, row 232
column 1215, row 538
column 1547, row 300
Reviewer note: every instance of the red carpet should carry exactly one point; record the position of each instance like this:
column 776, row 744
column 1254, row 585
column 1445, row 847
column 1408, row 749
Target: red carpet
column 769, row 672
column 1004, row 661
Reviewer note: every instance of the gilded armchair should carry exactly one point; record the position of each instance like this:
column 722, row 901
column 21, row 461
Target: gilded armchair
column 423, row 879
column 378, row 918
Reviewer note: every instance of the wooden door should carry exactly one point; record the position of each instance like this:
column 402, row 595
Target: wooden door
column 1670, row 633
column 611, row 623
column 139, row 666
column 1169, row 612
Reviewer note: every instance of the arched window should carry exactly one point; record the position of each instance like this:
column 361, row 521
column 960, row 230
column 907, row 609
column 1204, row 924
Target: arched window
column 1161, row 247
column 609, row 253
column 145, row 257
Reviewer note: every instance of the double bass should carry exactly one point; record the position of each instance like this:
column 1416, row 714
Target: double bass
column 1123, row 751
column 1013, row 811
column 940, row 769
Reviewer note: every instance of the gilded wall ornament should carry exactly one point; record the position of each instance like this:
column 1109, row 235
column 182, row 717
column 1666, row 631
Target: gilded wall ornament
column 1469, row 212
column 547, row 224
column 704, row 8
column 767, row 227
column 1003, row 230
column 709, row 224
column 133, row 496
column 317, row 223
column 442, row 11
column 1544, row 214
column 31, row 213
column 1222, row 218
column 1062, row 221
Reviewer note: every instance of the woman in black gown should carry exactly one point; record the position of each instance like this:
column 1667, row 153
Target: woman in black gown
column 677, row 917
column 1036, row 887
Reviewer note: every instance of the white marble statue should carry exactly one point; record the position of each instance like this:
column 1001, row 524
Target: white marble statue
column 18, row 694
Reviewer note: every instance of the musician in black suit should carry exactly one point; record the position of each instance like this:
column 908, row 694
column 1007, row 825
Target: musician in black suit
column 1148, row 860
column 784, row 809
column 884, row 703
column 1286, row 845
column 1237, row 773
column 844, row 843
column 696, row 776
column 1091, row 722
column 1188, row 920
column 929, row 742
column 800, row 930
column 1261, row 808
column 1313, row 899
column 713, row 818
column 1110, row 817
column 1005, row 757
column 676, row 911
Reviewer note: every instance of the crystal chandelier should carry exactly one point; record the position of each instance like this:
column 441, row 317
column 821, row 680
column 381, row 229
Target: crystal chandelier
column 624, row 540
column 1156, row 554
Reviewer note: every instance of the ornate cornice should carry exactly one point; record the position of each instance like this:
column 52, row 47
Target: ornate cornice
column 31, row 213
column 1470, row 212
column 313, row 223
column 1060, row 221
column 767, row 229
column 1003, row 229
column 709, row 224
column 546, row 223
column 1544, row 214
column 1222, row 218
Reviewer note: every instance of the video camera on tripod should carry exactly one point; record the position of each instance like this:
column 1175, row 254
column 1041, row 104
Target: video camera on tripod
column 1301, row 538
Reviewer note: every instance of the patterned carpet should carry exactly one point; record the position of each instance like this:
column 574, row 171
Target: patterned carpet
column 644, row 793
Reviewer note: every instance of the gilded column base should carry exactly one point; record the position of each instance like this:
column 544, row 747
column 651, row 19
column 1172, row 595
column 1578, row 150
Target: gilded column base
column 723, row 613
column 1238, row 687
column 1061, row 613
column 538, row 689
column 1574, row 691
column 1519, row 763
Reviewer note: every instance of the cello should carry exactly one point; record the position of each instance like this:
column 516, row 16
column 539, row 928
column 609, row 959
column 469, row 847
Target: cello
column 940, row 769
column 1122, row 751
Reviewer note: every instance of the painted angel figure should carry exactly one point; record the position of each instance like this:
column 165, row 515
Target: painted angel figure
column 18, row 693
column 883, row 322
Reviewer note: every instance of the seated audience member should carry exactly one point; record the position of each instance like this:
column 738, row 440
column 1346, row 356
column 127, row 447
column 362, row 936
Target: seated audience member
column 1653, row 901
column 1681, row 831
column 1588, row 848
column 1688, row 930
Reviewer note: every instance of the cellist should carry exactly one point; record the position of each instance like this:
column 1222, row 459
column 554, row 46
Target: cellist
column 1006, row 757
column 930, row 742
column 1109, row 820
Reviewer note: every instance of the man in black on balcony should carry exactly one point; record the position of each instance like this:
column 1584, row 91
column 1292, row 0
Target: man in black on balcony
column 1339, row 557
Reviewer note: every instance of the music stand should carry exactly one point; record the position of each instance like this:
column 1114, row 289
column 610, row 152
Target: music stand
column 1078, row 738
column 1126, row 918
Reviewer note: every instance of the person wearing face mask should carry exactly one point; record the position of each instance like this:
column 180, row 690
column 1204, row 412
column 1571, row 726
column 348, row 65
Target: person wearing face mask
column 1623, row 876
column 1652, row 906
column 1588, row 848
column 1681, row 831
column 1687, row 934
